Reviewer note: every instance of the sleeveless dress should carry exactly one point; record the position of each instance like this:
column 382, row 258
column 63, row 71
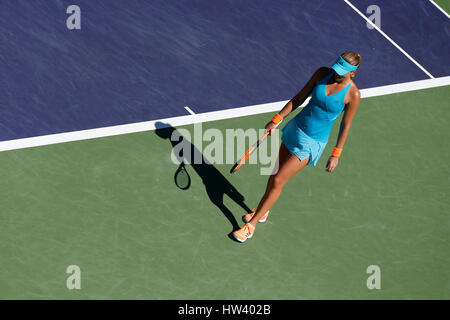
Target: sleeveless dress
column 306, row 135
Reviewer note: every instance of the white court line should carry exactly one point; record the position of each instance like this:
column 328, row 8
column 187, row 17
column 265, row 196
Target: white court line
column 437, row 6
column 189, row 110
column 390, row 40
column 202, row 117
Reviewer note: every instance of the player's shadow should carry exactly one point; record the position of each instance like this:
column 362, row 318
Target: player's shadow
column 216, row 184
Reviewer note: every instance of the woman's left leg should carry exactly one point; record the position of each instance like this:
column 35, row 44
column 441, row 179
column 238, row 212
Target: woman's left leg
column 287, row 170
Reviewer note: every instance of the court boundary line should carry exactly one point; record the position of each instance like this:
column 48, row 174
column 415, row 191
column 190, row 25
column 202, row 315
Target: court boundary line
column 389, row 39
column 439, row 7
column 189, row 110
column 101, row 132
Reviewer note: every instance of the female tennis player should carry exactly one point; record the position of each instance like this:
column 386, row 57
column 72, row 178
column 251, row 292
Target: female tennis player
column 304, row 137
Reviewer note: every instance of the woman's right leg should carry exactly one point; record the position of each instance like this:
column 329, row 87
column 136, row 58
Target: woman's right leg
column 289, row 165
column 283, row 155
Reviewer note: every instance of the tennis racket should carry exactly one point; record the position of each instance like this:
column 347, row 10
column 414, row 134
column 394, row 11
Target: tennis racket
column 248, row 153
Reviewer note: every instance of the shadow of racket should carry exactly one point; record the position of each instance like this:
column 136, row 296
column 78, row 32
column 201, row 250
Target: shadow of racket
column 182, row 178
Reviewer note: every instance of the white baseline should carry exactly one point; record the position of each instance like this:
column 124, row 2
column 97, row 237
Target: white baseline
column 202, row 117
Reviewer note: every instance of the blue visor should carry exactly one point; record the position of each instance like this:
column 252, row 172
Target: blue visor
column 343, row 67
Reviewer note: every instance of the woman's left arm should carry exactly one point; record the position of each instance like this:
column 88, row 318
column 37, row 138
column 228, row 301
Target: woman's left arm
column 349, row 113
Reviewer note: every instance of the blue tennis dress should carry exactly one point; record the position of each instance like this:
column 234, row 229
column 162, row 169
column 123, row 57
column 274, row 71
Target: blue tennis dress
column 307, row 134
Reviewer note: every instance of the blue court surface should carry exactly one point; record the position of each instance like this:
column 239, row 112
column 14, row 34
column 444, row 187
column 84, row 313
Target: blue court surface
column 135, row 61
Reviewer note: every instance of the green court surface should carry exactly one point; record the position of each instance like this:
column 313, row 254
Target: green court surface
column 444, row 4
column 111, row 206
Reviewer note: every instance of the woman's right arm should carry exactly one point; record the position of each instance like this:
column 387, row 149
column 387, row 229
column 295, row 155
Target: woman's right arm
column 301, row 96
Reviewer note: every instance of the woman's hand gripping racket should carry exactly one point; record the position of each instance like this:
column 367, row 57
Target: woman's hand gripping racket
column 269, row 127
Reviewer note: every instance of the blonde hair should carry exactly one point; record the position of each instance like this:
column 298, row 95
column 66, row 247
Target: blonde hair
column 352, row 57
